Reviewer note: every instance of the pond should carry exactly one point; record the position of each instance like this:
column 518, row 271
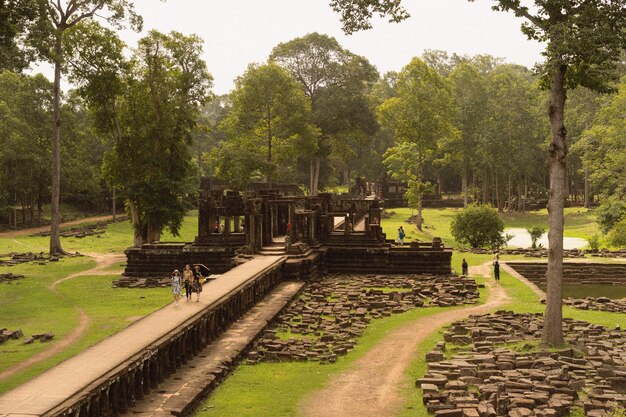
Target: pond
column 521, row 239
column 591, row 290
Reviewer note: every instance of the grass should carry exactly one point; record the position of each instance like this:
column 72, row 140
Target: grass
column 276, row 389
column 579, row 222
column 27, row 304
column 117, row 238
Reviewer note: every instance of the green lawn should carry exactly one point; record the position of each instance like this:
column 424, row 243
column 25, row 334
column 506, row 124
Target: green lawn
column 579, row 222
column 30, row 306
column 118, row 237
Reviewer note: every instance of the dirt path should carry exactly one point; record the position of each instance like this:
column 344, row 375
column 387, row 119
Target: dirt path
column 371, row 387
column 33, row 230
column 103, row 261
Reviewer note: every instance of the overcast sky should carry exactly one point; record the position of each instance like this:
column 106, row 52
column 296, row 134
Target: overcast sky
column 237, row 32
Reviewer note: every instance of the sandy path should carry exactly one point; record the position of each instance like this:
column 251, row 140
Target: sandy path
column 33, row 230
column 371, row 387
column 103, row 261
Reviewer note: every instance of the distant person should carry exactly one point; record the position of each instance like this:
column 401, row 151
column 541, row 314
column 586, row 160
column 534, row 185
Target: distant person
column 198, row 280
column 176, row 285
column 496, row 269
column 465, row 268
column 288, row 229
column 216, row 227
column 188, row 281
column 401, row 235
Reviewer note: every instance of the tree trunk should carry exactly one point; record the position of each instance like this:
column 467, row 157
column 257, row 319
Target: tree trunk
column 316, row 174
column 553, row 328
column 55, row 241
column 464, row 185
column 311, row 174
column 137, row 227
column 497, row 190
column 114, row 208
column 420, row 220
column 587, row 189
column 486, row 186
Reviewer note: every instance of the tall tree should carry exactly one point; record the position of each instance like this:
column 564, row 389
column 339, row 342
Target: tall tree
column 335, row 80
column 270, row 110
column 421, row 114
column 59, row 17
column 471, row 101
column 584, row 41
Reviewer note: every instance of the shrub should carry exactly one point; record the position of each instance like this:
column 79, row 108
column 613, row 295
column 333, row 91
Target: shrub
column 535, row 233
column 611, row 211
column 478, row 226
column 617, row 235
column 594, row 242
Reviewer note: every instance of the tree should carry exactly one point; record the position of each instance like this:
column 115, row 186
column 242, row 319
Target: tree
column 335, row 80
column 148, row 107
column 535, row 233
column 617, row 235
column 421, row 116
column 25, row 104
column 478, row 226
column 59, row 17
column 584, row 40
column 470, row 96
column 15, row 17
column 404, row 163
column 270, row 110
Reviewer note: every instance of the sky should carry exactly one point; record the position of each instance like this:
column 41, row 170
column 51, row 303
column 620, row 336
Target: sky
column 238, row 32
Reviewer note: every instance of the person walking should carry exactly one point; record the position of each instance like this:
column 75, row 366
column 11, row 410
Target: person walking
column 401, row 236
column 496, row 269
column 198, row 280
column 465, row 268
column 176, row 285
column 188, row 281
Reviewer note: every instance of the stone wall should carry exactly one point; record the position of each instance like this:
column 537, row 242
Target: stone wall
column 575, row 273
column 113, row 392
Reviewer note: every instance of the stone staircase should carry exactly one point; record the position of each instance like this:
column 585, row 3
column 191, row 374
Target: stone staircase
column 273, row 249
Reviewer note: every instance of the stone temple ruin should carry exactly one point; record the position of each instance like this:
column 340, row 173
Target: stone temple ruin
column 322, row 233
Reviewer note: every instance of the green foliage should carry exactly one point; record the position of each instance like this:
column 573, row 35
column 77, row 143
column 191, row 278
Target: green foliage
column 610, row 212
column 594, row 242
column 617, row 235
column 478, row 226
column 336, row 82
column 148, row 107
column 535, row 233
column 269, row 116
column 602, row 147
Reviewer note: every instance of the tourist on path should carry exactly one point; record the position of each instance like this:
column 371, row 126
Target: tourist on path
column 401, row 236
column 198, row 280
column 176, row 285
column 188, row 280
column 465, row 268
column 496, row 269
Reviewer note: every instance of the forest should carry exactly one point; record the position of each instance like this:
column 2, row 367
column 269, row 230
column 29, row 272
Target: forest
column 140, row 126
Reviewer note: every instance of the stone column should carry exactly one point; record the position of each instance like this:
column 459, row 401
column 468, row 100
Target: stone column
column 237, row 224
column 227, row 225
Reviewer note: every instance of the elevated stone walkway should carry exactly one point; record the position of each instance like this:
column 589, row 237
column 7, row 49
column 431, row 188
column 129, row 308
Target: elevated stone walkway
column 79, row 382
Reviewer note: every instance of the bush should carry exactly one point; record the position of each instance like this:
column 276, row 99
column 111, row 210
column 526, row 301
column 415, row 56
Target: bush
column 617, row 235
column 594, row 242
column 535, row 233
column 478, row 226
column 611, row 211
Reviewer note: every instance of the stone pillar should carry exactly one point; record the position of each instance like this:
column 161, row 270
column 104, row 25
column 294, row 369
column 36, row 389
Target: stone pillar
column 227, row 225
column 237, row 224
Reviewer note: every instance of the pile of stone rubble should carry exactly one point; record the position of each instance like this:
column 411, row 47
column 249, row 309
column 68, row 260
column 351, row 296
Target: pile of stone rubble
column 488, row 381
column 328, row 316
column 599, row 303
column 9, row 277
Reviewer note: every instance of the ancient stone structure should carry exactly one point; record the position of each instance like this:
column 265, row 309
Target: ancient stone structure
column 575, row 272
column 318, row 233
column 485, row 378
column 331, row 313
column 597, row 303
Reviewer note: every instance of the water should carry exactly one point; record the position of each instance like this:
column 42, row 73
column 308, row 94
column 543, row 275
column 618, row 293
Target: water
column 591, row 290
column 521, row 239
